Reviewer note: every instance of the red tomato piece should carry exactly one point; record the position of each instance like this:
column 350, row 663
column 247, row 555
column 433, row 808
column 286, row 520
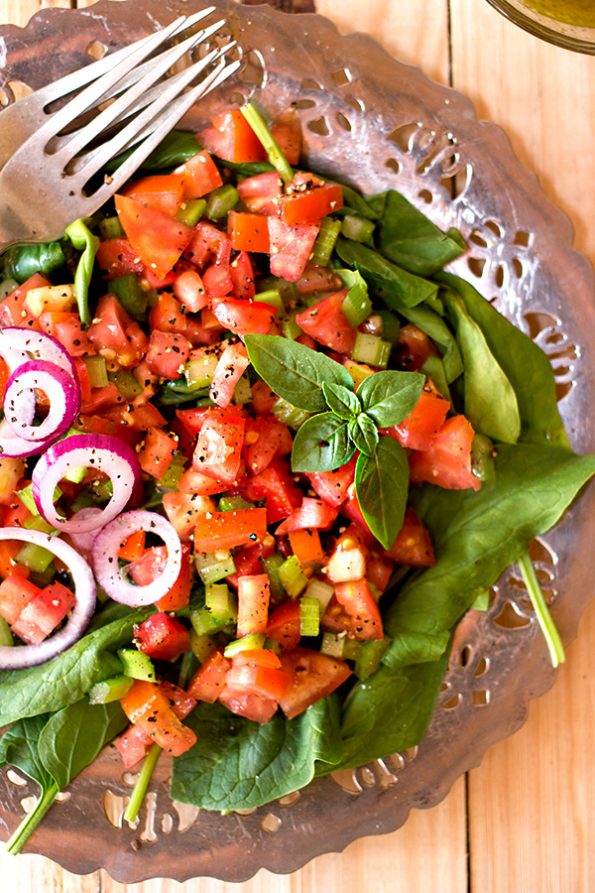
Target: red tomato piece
column 249, row 560
column 284, row 625
column 447, row 461
column 117, row 257
column 263, row 399
column 287, row 133
column 266, row 439
column 306, row 545
column 195, row 482
column 312, row 204
column 134, row 547
column 358, row 601
column 114, row 333
column 417, row 431
column 190, row 291
column 313, row 676
column 242, row 276
column 146, row 705
column 317, row 279
column 157, row 238
column 231, row 365
column 256, row 707
column 181, row 702
column 244, row 317
column 133, row 746
column 217, row 281
column 291, row 247
column 379, row 570
column 313, row 513
column 333, row 486
column 182, row 510
column 157, row 451
column 413, row 545
column 162, row 192
column 200, row 175
column 16, row 593
column 167, row 353
column 12, row 309
column 162, row 637
column 414, row 348
column 43, row 613
column 348, row 560
column 258, row 680
column 226, row 530
column 193, row 419
column 209, row 680
column 102, row 399
column 232, row 138
column 254, row 594
column 167, row 315
column 275, row 484
column 248, row 232
column 260, row 193
column 327, row 324
column 209, row 245
column 66, row 328
column 218, row 451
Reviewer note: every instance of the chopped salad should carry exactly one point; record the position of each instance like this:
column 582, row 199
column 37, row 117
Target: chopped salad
column 259, row 455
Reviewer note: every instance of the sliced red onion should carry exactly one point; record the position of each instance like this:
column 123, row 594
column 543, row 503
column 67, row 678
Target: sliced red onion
column 107, row 545
column 97, row 451
column 18, row 346
column 61, row 389
column 18, row 657
column 84, row 541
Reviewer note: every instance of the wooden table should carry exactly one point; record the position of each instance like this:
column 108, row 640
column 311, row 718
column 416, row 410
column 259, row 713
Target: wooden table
column 523, row 822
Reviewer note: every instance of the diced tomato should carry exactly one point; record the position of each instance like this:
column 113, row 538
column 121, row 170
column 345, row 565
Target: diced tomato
column 117, row 257
column 148, row 566
column 313, row 513
column 256, row 707
column 291, row 247
column 218, row 451
column 313, row 676
column 423, row 422
column 379, row 570
column 43, row 613
column 414, row 348
column 159, row 282
column 252, row 676
column 146, row 705
column 12, row 308
column 137, row 418
column 254, row 594
column 260, row 193
column 248, row 232
column 134, row 547
column 232, row 138
column 266, row 439
column 231, row 365
column 263, row 399
column 182, row 510
column 181, row 702
column 333, row 486
column 245, row 317
column 157, row 238
column 210, row 323
column 16, row 593
column 226, row 530
column 284, row 625
column 157, row 452
column 217, row 281
column 194, row 482
column 348, row 560
column 200, row 175
column 115, row 334
column 362, row 607
column 352, row 510
column 193, row 419
column 306, row 545
column 102, row 399
column 15, row 514
column 8, row 564
column 275, row 484
column 447, row 461
column 161, row 192
column 83, row 379
column 179, row 595
column 11, row 471
column 167, row 353
column 209, row 245
column 413, row 545
column 189, row 289
column 317, row 279
column 133, row 746
column 209, row 680
column 162, row 637
column 287, row 133
column 242, row 275
column 311, row 205
column 167, row 315
column 249, row 560
column 327, row 324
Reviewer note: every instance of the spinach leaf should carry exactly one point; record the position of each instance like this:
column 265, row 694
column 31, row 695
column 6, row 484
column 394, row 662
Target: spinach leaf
column 22, row 261
column 356, row 202
column 490, row 401
column 523, row 362
column 341, row 401
column 436, row 328
column 381, row 483
column 67, row 677
column 238, row 764
column 83, row 240
column 397, row 287
column 409, row 239
column 388, row 397
column 294, row 371
column 408, row 648
column 364, row 434
column 321, row 444
column 177, row 147
column 245, row 168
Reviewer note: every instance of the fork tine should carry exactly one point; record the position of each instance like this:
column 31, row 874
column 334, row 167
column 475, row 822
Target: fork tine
column 162, row 125
column 119, row 108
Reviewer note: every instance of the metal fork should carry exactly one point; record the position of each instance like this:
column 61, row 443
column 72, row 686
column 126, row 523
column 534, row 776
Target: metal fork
column 42, row 193
column 22, row 119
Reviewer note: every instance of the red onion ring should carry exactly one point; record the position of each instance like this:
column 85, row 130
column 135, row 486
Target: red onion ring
column 19, row 657
column 98, row 451
column 105, row 558
column 62, row 390
column 18, row 346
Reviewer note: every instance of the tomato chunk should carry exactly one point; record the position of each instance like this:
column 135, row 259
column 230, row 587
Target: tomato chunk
column 333, row 486
column 360, row 604
column 157, row 451
column 276, row 486
column 248, row 232
column 287, row 132
column 218, row 451
column 313, row 513
column 447, row 461
column 117, row 257
column 115, row 334
column 417, row 430
column 254, row 594
column 157, row 238
column 256, row 707
column 162, row 636
column 146, row 705
column 162, row 192
column 167, row 353
column 43, row 613
column 252, row 677
column 245, row 317
column 226, row 530
column 413, row 545
column 200, row 175
column 308, row 206
column 266, row 438
column 327, row 324
column 260, row 193
column 284, row 625
column 232, row 138
column 232, row 364
column 15, row 594
column 291, row 247
column 313, row 676
column 209, row 680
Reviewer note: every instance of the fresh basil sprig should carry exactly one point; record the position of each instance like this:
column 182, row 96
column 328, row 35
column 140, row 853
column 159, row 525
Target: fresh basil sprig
column 381, row 485
column 322, row 443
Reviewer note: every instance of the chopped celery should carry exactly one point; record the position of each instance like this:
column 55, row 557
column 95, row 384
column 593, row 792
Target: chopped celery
column 274, row 153
column 371, row 349
column 126, row 384
column 191, row 211
column 35, row 557
column 290, row 415
column 49, row 297
column 199, row 372
column 272, row 645
column 309, row 616
column 219, row 601
column 292, row 577
column 36, row 522
column 325, row 241
column 321, row 591
column 247, row 643
column 369, row 657
column 111, row 228
column 333, row 644
column 6, row 640
column 221, row 201
column 137, row 665
column 201, row 646
column 110, row 690
column 204, row 623
column 214, row 566
column 171, row 478
column 242, row 393
column 358, row 229
column 97, row 371
column 271, row 296
column 356, row 306
column 291, row 329
column 131, row 296
column 233, row 503
column 271, row 566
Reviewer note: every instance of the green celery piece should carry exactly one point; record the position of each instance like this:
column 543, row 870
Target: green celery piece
column 369, row 657
column 271, row 567
column 219, row 602
column 6, row 640
column 97, row 372
column 111, row 228
column 132, row 297
column 309, row 616
column 126, row 384
column 192, row 211
column 292, row 577
column 35, row 557
column 137, row 665
column 271, row 296
column 174, row 472
column 202, row 646
column 357, row 228
column 242, row 393
column 109, row 690
column 254, row 641
column 204, row 624
column 292, row 416
column 333, row 645
column 214, row 566
column 6, row 287
column 325, row 241
column 142, row 783
column 221, row 201
column 356, row 306
column 233, row 503
column 274, row 153
column 371, row 349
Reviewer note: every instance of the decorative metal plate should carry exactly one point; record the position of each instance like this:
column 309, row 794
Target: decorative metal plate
column 376, row 123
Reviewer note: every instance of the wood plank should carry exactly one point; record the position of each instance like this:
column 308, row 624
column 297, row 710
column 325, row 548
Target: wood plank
column 531, row 801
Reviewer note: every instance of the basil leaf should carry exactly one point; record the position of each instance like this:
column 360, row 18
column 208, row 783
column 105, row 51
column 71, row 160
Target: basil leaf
column 397, row 287
column 381, row 484
column 83, row 240
column 436, row 328
column 22, row 261
column 294, row 371
column 490, row 401
column 321, row 444
column 388, row 397
column 363, row 433
column 341, row 400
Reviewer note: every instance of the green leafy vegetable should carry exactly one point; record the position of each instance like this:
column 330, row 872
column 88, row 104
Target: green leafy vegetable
column 83, row 240
column 321, row 444
column 293, row 371
column 22, row 261
column 430, row 322
column 388, row 397
column 381, row 483
column 177, row 147
column 341, row 400
column 407, row 648
column 364, row 434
